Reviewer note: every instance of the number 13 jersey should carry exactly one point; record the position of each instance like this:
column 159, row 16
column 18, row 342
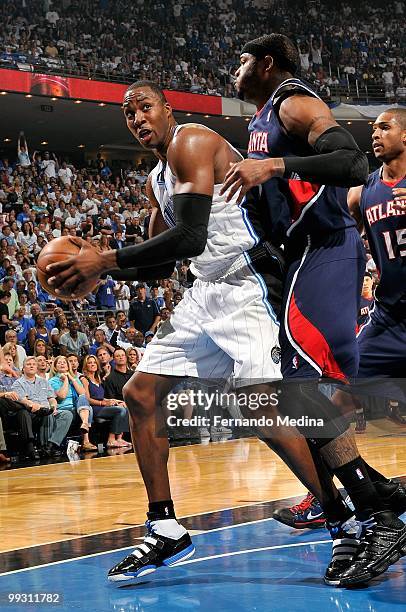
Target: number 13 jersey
column 386, row 231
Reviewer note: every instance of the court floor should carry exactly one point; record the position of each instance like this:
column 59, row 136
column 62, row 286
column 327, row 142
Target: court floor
column 227, row 492
column 253, row 565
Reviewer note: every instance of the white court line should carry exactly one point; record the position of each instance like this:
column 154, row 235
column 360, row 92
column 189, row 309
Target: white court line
column 251, row 550
column 106, row 552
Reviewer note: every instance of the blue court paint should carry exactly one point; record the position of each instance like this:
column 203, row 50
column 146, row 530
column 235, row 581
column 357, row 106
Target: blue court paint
column 287, row 578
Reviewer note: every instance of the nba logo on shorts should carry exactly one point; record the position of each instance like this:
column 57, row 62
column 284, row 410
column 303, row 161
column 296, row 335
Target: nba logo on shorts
column 295, row 362
column 276, row 354
column 360, row 474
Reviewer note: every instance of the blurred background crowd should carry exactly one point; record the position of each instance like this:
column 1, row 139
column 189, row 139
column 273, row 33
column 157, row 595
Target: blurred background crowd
column 346, row 48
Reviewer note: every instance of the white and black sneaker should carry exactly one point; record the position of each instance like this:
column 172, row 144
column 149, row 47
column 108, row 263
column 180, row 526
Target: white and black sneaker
column 155, row 551
column 346, row 541
column 382, row 545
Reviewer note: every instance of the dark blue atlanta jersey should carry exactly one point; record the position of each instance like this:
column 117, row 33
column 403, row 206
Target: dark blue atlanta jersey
column 307, row 208
column 386, row 231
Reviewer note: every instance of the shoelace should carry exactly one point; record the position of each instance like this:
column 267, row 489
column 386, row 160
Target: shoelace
column 304, row 504
column 149, row 538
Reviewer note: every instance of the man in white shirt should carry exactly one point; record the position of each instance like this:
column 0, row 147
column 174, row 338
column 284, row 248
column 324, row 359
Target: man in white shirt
column 49, row 166
column 90, row 205
column 74, row 219
column 65, row 174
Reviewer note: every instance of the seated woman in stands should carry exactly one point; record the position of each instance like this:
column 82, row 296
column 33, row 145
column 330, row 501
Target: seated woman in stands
column 111, row 409
column 70, row 395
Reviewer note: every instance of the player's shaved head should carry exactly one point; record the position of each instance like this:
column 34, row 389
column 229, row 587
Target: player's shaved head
column 145, row 84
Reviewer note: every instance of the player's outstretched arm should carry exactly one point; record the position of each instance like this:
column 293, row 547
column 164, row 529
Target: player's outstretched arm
column 191, row 156
column 339, row 161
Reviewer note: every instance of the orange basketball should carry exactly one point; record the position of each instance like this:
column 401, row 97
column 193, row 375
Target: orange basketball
column 56, row 250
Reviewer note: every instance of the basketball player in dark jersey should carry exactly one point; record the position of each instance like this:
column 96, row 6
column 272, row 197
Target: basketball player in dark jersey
column 302, row 153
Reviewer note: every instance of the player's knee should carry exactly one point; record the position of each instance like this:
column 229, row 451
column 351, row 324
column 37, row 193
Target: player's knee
column 139, row 398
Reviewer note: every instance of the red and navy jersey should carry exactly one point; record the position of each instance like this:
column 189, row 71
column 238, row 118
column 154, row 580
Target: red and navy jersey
column 312, row 209
column 386, row 232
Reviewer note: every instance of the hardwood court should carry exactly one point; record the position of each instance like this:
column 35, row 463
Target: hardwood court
column 58, row 502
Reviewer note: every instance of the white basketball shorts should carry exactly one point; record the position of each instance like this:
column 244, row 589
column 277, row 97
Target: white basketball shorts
column 220, row 328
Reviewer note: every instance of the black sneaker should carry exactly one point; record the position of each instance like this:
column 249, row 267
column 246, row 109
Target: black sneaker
column 51, row 450
column 346, row 541
column 382, row 545
column 393, row 494
column 155, row 551
column 306, row 515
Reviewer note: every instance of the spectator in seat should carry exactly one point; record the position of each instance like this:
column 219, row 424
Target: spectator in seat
column 39, row 332
column 99, row 341
column 70, row 395
column 19, row 335
column 74, row 341
column 61, row 327
column 12, row 337
column 73, row 362
column 13, row 304
column 41, row 348
column 118, row 376
column 10, row 349
column 5, row 297
column 38, row 397
column 105, row 358
column 133, row 358
column 110, row 409
column 143, row 313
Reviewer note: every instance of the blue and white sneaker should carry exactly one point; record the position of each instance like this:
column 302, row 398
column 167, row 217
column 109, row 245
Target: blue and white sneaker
column 155, row 551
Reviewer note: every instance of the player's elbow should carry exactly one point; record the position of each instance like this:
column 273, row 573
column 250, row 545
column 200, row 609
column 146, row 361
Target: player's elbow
column 194, row 240
column 358, row 168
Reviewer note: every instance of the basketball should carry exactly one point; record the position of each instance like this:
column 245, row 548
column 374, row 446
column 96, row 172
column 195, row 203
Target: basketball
column 60, row 249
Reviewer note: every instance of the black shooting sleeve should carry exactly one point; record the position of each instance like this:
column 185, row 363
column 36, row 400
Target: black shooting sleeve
column 187, row 239
column 144, row 273
column 338, row 161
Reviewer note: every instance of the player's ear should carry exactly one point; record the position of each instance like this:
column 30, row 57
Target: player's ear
column 268, row 63
column 168, row 109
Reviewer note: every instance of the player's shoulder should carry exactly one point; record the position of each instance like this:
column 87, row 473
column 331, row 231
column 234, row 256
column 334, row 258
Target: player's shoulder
column 193, row 133
column 292, row 87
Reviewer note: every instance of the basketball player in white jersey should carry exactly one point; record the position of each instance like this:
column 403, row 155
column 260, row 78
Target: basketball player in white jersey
column 225, row 324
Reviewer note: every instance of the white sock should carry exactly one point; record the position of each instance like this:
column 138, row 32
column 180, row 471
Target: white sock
column 170, row 528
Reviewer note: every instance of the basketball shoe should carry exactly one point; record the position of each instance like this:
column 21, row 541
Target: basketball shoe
column 300, row 516
column 155, row 551
column 346, row 536
column 382, row 544
column 306, row 515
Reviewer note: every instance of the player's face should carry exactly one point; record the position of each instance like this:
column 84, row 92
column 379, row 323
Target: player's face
column 388, row 138
column 147, row 117
column 247, row 78
column 367, row 285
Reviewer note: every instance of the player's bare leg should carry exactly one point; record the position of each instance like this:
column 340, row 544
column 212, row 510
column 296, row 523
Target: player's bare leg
column 166, row 541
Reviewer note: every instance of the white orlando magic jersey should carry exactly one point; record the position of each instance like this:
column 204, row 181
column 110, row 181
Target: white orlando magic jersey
column 230, row 232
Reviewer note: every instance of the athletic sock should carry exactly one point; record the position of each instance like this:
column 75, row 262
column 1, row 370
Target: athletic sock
column 374, row 475
column 161, row 510
column 354, row 476
column 162, row 517
column 170, row 528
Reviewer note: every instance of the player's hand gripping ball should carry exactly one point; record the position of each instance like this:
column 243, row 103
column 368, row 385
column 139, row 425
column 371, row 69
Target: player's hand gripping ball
column 73, row 282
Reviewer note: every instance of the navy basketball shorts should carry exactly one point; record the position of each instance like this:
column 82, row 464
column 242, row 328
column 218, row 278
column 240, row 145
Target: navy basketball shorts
column 382, row 352
column 320, row 307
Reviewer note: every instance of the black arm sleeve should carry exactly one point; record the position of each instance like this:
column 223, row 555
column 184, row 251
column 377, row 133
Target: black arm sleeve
column 187, row 239
column 338, row 162
column 145, row 273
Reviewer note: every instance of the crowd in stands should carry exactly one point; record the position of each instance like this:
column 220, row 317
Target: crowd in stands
column 194, row 45
column 80, row 354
